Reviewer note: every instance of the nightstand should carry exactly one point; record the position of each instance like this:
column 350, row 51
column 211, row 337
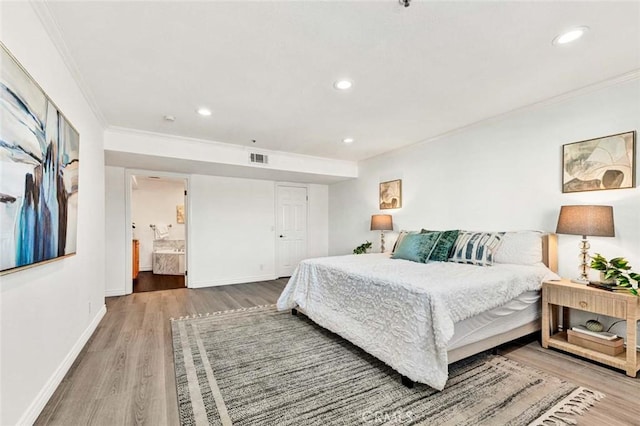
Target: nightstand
column 558, row 296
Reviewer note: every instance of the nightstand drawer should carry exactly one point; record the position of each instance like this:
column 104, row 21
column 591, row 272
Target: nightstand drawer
column 587, row 301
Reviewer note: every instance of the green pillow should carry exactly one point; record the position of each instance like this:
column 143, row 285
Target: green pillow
column 442, row 250
column 416, row 247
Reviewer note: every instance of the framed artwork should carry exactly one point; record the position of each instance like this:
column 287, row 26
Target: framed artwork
column 391, row 194
column 598, row 164
column 180, row 213
column 39, row 161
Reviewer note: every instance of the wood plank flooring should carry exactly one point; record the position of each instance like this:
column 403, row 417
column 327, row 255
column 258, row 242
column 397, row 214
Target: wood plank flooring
column 148, row 281
column 124, row 375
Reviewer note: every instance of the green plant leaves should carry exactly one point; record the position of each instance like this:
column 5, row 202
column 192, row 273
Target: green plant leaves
column 620, row 263
column 362, row 248
column 599, row 263
column 619, row 270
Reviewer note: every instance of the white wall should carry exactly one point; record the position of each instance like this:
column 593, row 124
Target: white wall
column 231, row 229
column 154, row 202
column 233, row 234
column 502, row 174
column 318, row 208
column 115, row 227
column 48, row 312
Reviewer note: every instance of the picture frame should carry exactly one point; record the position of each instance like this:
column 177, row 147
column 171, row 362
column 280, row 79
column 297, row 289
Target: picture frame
column 599, row 164
column 180, row 213
column 39, row 173
column 390, row 194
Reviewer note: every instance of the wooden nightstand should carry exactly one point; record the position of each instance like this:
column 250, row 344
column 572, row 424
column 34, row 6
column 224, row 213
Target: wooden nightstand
column 561, row 295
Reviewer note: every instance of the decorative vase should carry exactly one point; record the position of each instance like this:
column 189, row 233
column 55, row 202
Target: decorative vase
column 594, row 325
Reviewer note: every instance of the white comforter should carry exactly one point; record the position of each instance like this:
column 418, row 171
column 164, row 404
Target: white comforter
column 402, row 312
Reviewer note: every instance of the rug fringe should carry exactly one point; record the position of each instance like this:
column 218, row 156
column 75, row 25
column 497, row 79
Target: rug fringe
column 208, row 314
column 577, row 402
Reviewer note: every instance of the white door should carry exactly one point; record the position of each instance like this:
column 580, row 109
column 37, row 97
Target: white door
column 291, row 228
column 185, row 215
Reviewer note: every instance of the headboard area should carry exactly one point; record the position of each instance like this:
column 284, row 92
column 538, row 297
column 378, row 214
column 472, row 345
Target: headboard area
column 550, row 251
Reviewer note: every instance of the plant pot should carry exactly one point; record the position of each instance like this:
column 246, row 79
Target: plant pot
column 603, row 280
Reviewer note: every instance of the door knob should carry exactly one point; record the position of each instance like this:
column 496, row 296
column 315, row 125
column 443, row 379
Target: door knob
column 281, row 236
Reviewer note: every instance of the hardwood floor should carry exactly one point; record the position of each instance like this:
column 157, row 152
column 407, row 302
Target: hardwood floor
column 124, row 375
column 148, row 281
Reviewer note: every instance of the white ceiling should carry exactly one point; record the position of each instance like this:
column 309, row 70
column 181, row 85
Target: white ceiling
column 177, row 165
column 266, row 68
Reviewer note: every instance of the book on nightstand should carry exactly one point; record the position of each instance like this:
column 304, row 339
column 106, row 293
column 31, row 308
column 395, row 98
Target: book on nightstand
column 602, row 286
column 599, row 334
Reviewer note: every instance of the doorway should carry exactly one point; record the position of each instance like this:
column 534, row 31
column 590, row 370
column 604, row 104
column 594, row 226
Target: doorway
column 291, row 227
column 159, row 232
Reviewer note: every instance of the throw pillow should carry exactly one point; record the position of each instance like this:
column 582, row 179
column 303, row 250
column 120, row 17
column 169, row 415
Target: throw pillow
column 417, row 247
column 442, row 250
column 401, row 236
column 476, row 248
column 520, row 248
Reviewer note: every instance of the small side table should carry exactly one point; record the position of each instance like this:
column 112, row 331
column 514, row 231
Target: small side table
column 558, row 296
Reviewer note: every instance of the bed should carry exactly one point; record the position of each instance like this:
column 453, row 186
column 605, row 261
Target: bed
column 419, row 317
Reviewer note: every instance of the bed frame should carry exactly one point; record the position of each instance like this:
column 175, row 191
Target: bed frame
column 549, row 258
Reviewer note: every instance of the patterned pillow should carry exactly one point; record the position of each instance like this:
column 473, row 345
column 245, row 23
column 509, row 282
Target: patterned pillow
column 476, row 248
column 417, row 247
column 442, row 251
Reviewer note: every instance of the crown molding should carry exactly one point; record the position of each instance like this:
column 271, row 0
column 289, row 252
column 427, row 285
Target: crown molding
column 620, row 79
column 50, row 25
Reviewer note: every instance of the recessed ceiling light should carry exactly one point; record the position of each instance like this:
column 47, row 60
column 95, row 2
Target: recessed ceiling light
column 348, row 140
column 343, row 84
column 204, row 111
column 571, row 35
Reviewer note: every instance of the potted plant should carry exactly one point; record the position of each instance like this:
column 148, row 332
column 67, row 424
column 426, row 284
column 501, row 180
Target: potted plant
column 362, row 248
column 616, row 271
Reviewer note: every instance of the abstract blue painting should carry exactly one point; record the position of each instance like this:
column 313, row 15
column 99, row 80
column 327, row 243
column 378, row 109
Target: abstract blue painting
column 39, row 160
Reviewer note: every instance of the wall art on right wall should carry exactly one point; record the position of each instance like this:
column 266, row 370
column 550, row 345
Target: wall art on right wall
column 598, row 164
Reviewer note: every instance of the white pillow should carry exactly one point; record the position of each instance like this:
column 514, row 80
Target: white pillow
column 520, row 248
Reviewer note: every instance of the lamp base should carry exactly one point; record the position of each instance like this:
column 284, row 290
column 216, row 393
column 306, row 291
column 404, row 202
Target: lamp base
column 584, row 265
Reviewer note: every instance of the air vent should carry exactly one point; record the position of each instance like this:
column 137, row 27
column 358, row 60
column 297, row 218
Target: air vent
column 258, row 158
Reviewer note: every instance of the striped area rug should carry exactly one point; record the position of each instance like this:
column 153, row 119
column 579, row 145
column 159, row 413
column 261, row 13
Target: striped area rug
column 260, row 367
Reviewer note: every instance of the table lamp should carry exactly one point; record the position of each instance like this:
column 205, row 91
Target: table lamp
column 381, row 222
column 595, row 221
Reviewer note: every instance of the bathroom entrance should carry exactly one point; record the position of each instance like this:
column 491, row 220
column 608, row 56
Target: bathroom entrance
column 158, row 220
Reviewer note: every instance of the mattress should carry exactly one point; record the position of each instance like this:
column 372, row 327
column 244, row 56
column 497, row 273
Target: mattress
column 515, row 313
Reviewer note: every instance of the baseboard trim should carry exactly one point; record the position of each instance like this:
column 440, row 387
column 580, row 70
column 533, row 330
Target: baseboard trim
column 113, row 292
column 36, row 407
column 227, row 281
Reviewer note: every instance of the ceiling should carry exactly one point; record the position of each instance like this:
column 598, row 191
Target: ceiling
column 266, row 69
column 178, row 165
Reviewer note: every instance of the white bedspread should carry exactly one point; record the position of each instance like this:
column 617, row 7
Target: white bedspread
column 403, row 312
